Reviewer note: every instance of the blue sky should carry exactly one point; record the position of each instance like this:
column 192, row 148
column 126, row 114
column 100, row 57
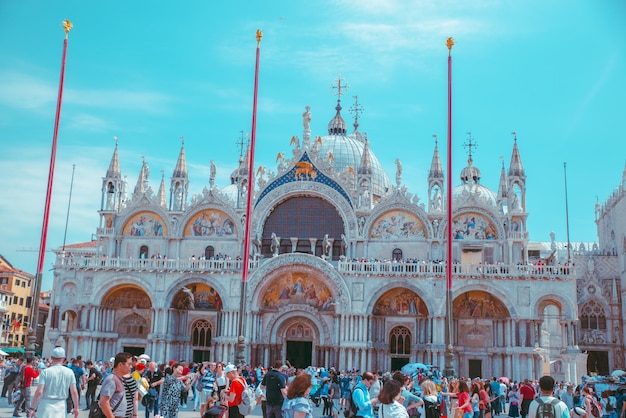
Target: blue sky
column 151, row 72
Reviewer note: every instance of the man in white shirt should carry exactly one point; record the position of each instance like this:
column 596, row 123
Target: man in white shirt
column 546, row 387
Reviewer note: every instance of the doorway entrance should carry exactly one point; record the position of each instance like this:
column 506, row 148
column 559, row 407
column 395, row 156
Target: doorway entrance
column 135, row 351
column 300, row 353
column 475, row 368
column 201, row 355
column 398, row 362
column 598, row 363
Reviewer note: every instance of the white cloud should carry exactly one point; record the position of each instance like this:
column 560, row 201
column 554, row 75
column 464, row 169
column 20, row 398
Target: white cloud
column 25, row 91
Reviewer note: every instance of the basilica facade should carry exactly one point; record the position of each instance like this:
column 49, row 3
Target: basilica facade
column 347, row 270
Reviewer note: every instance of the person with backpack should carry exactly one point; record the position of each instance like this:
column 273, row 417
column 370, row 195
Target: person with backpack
column 546, row 405
column 94, row 379
column 274, row 383
column 361, row 396
column 432, row 406
column 233, row 394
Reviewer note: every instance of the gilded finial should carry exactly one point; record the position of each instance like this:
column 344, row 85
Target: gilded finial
column 259, row 35
column 67, row 26
column 449, row 43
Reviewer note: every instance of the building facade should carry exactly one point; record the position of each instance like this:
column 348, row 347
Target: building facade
column 15, row 306
column 347, row 269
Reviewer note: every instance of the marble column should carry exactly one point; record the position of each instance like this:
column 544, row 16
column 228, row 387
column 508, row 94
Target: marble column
column 294, row 244
column 313, row 242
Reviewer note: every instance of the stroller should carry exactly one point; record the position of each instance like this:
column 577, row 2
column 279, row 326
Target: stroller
column 314, row 395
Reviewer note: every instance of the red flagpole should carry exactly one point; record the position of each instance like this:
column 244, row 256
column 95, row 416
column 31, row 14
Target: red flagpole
column 449, row 355
column 67, row 26
column 246, row 237
column 450, row 42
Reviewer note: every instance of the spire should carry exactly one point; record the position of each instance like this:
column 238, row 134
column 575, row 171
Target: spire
column 161, row 193
column 181, row 165
column 366, row 163
column 515, row 168
column 503, row 187
column 337, row 126
column 436, row 170
column 142, row 181
column 114, row 166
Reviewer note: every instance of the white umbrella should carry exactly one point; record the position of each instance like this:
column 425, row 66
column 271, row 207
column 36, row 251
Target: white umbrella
column 2, row 353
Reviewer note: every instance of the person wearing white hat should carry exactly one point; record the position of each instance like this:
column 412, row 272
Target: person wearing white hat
column 54, row 384
column 232, row 394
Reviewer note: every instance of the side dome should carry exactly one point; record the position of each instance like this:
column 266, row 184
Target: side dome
column 475, row 193
column 471, row 191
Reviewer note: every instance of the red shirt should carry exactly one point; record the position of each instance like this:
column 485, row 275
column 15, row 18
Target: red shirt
column 463, row 399
column 29, row 375
column 236, row 386
column 527, row 392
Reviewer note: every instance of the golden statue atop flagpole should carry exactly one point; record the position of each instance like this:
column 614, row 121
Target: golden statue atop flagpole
column 67, row 27
column 259, row 35
column 449, row 43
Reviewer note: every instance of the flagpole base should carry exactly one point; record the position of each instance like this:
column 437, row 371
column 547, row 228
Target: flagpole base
column 240, row 357
column 449, row 356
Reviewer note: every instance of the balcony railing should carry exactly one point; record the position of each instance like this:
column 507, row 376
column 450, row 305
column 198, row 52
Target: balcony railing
column 358, row 268
column 469, row 271
column 150, row 264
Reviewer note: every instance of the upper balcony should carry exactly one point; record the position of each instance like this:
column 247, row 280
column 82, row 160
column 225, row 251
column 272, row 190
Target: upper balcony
column 150, row 264
column 348, row 268
column 459, row 271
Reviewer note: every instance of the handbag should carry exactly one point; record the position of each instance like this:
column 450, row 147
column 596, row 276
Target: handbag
column 96, row 412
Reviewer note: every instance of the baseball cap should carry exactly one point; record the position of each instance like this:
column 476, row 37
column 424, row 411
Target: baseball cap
column 58, row 352
column 230, row 368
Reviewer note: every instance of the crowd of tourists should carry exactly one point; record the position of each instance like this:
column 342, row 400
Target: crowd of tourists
column 118, row 387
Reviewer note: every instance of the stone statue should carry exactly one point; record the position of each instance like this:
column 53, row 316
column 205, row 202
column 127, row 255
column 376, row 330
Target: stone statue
column 256, row 247
column 306, row 118
column 213, row 172
column 344, row 245
column 275, row 245
column 436, row 203
column 326, row 246
column 398, row 172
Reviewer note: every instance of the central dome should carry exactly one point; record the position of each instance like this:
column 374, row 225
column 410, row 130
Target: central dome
column 347, row 151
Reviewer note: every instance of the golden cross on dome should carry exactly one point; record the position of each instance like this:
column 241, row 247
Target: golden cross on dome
column 339, row 86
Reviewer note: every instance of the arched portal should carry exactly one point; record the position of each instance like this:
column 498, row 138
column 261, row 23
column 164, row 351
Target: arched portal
column 480, row 323
column 299, row 345
column 201, row 335
column 399, row 347
column 131, row 308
